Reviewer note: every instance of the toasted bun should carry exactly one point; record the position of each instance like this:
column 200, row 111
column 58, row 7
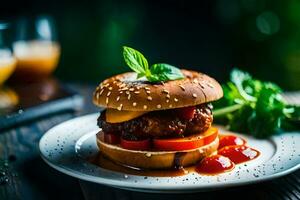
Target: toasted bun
column 155, row 159
column 125, row 92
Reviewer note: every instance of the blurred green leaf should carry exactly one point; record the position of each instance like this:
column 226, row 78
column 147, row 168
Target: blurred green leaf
column 252, row 106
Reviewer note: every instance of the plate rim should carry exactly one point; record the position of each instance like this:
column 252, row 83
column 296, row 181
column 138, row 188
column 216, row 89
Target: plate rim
column 146, row 187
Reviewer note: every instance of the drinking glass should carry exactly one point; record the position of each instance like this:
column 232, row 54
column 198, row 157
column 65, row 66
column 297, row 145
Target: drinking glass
column 35, row 48
column 7, row 60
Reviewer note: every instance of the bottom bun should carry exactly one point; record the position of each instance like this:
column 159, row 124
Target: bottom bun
column 155, row 159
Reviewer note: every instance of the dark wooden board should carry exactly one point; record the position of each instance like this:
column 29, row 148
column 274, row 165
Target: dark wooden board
column 39, row 99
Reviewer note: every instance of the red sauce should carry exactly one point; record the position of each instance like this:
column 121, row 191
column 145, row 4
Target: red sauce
column 228, row 140
column 214, row 165
column 239, row 153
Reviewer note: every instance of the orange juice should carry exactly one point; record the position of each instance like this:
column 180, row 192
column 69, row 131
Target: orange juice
column 35, row 59
column 7, row 66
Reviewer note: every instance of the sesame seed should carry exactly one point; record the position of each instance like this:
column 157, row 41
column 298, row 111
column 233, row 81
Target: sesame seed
column 134, row 104
column 170, row 106
column 121, row 92
column 114, row 82
column 167, row 100
column 101, row 92
column 106, row 101
column 127, row 92
column 136, row 92
column 108, row 94
column 120, row 107
column 194, row 95
column 195, row 81
column 148, row 91
column 149, row 98
column 131, row 89
column 128, row 96
column 124, row 88
column 145, row 107
column 168, row 96
column 148, row 155
column 165, row 91
column 138, row 87
column 209, row 85
column 147, row 88
column 181, row 86
column 110, row 88
column 97, row 96
column 118, row 98
column 158, row 106
column 201, row 85
column 175, row 99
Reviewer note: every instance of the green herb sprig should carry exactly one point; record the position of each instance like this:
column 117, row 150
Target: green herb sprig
column 157, row 72
column 253, row 106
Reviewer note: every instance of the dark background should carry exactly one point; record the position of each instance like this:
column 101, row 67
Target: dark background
column 260, row 36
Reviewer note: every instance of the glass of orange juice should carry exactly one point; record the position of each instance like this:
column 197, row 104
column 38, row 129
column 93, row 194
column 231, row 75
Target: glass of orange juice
column 36, row 48
column 7, row 60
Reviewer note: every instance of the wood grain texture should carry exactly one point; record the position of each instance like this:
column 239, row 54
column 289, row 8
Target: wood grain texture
column 30, row 178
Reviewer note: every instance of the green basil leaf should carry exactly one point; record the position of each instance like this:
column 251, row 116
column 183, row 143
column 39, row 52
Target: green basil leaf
column 158, row 72
column 140, row 75
column 164, row 72
column 135, row 60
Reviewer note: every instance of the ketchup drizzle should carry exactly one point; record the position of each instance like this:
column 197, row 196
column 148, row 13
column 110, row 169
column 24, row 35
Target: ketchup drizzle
column 232, row 150
column 214, row 165
column 239, row 153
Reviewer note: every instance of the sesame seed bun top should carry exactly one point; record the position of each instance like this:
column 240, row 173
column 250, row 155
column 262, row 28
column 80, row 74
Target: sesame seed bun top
column 125, row 92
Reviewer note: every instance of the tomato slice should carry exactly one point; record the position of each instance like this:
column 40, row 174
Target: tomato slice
column 229, row 140
column 135, row 145
column 186, row 143
column 111, row 138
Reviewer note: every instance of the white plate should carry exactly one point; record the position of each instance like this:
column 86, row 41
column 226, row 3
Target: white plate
column 66, row 146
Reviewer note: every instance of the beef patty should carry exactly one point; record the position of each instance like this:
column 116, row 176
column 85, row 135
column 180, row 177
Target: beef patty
column 161, row 124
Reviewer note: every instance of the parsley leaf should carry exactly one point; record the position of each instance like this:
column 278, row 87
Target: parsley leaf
column 252, row 106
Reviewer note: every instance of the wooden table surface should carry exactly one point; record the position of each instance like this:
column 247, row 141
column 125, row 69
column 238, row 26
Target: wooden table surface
column 26, row 176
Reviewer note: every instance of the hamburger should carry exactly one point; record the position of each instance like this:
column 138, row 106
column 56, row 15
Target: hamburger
column 157, row 124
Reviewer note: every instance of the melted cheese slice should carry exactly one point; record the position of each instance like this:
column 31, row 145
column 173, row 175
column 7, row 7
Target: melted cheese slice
column 116, row 116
